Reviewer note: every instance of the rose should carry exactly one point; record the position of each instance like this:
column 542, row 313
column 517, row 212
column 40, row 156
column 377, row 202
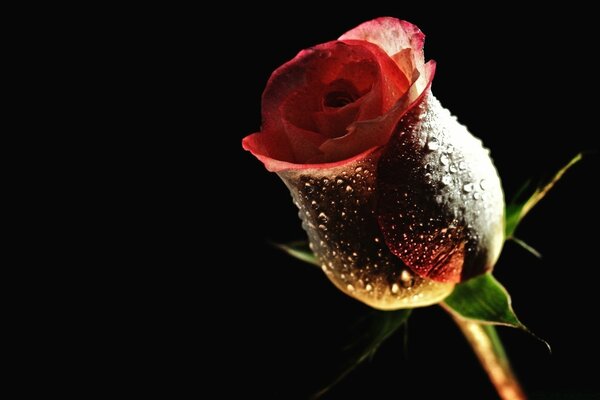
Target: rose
column 399, row 200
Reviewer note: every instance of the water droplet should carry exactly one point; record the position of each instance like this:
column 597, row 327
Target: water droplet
column 449, row 149
column 477, row 195
column 395, row 288
column 439, row 199
column 339, row 181
column 462, row 165
column 369, row 287
column 406, row 279
column 322, row 227
column 444, row 159
column 433, row 145
column 483, row 184
column 323, row 218
column 376, row 240
column 468, row 187
column 324, row 268
column 447, row 180
column 358, row 169
column 453, row 168
column 314, row 204
column 349, row 189
column 350, row 288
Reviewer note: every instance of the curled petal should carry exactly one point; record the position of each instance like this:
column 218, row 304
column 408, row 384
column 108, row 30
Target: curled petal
column 401, row 40
column 391, row 34
column 297, row 100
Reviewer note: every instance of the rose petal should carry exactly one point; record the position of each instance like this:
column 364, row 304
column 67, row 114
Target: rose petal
column 440, row 204
column 372, row 133
column 333, row 122
column 315, row 69
column 391, row 34
column 394, row 36
column 336, row 207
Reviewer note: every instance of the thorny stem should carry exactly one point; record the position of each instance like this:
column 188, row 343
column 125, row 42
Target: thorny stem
column 487, row 346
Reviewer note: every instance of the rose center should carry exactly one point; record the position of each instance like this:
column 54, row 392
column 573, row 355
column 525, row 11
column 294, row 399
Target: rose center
column 338, row 99
column 340, row 93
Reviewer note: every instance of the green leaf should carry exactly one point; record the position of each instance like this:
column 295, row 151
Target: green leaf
column 484, row 300
column 375, row 328
column 519, row 206
column 300, row 250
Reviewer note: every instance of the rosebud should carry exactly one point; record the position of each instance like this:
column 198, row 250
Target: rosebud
column 398, row 199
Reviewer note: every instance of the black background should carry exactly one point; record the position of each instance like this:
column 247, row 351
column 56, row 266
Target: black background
column 521, row 82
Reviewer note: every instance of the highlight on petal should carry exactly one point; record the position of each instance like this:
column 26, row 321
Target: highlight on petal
column 391, row 34
column 401, row 40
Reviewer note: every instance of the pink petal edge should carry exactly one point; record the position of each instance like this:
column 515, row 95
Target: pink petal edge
column 391, row 34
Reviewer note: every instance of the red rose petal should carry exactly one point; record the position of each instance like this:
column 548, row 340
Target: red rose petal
column 296, row 103
column 396, row 37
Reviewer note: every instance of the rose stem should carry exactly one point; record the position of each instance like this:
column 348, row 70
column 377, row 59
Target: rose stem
column 487, row 346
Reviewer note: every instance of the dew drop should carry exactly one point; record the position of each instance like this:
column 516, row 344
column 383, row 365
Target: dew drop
column 322, row 227
column 323, row 218
column 358, row 169
column 433, row 145
column 468, row 187
column 350, row 288
column 477, row 195
column 446, row 179
column 406, row 279
column 444, row 159
column 483, row 184
column 349, row 189
column 339, row 181
column 462, row 165
column 369, row 287
column 395, row 288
